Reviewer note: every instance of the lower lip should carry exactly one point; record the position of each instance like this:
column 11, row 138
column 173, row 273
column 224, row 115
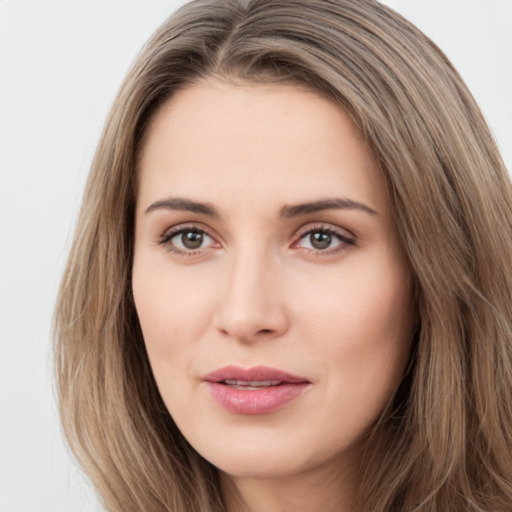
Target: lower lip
column 256, row 401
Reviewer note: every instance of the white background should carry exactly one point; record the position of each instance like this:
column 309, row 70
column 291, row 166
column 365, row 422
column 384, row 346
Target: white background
column 61, row 62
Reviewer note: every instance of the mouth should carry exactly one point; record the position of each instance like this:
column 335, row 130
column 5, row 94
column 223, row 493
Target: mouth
column 251, row 385
column 255, row 376
column 257, row 390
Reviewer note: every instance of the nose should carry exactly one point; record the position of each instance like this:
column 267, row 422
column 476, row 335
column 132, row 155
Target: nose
column 252, row 306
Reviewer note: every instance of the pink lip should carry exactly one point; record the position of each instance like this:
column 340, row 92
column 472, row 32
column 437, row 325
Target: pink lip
column 254, row 401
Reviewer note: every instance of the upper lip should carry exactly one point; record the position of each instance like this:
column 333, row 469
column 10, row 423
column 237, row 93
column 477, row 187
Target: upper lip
column 254, row 374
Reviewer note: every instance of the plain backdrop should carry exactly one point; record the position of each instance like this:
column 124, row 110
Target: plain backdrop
column 61, row 63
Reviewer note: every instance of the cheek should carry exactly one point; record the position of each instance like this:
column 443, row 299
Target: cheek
column 361, row 305
column 174, row 316
column 360, row 328
column 174, row 311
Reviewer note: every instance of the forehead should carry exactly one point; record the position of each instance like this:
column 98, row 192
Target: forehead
column 281, row 143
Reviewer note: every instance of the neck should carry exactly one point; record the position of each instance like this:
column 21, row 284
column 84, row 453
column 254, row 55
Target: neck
column 321, row 491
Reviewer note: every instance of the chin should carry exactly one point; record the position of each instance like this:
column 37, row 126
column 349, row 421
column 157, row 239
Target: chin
column 261, row 466
column 269, row 456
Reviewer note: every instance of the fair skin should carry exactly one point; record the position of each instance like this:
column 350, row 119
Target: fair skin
column 265, row 237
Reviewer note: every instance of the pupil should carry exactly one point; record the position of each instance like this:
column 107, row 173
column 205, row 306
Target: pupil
column 320, row 240
column 192, row 240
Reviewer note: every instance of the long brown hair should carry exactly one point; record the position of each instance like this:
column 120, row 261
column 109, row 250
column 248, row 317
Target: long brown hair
column 445, row 442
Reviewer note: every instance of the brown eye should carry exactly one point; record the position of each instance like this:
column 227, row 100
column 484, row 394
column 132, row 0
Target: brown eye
column 320, row 240
column 192, row 239
column 324, row 240
column 187, row 240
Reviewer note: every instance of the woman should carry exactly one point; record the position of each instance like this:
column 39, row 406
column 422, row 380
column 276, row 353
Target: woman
column 290, row 282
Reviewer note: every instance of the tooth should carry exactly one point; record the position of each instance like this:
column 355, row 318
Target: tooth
column 252, row 383
column 264, row 382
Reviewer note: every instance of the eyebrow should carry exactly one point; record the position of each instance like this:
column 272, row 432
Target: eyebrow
column 325, row 204
column 187, row 205
column 288, row 211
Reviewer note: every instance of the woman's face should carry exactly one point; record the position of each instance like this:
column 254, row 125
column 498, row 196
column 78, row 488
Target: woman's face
column 270, row 283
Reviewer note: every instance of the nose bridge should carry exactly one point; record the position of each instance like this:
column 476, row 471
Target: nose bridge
column 251, row 306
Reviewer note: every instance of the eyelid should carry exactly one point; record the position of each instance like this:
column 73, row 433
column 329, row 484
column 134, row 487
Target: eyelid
column 166, row 237
column 346, row 237
column 326, row 227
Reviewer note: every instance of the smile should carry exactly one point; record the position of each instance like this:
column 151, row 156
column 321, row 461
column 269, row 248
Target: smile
column 257, row 390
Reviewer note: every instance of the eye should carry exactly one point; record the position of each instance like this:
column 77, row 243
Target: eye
column 323, row 239
column 187, row 240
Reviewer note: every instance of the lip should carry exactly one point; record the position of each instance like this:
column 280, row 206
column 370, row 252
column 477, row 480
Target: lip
column 244, row 398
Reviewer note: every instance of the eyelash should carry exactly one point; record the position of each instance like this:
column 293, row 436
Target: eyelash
column 165, row 238
column 345, row 242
